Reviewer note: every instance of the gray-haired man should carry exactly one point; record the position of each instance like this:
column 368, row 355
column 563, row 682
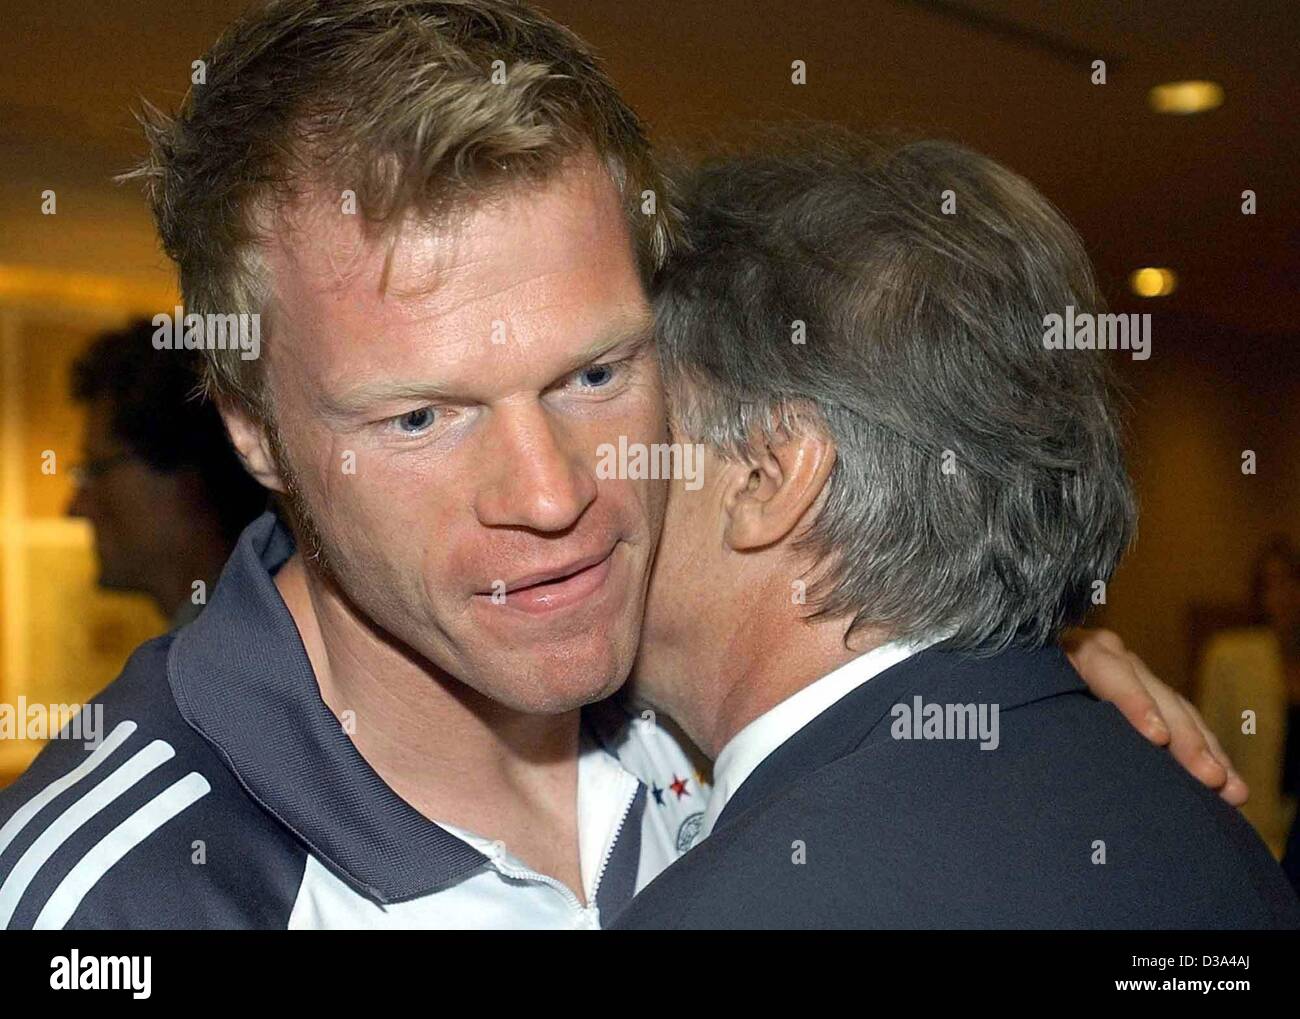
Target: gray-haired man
column 905, row 501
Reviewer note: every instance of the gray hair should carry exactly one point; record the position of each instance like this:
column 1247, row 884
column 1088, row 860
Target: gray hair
column 979, row 490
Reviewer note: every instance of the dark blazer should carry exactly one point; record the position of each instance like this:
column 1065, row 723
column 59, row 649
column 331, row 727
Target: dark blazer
column 1291, row 857
column 939, row 833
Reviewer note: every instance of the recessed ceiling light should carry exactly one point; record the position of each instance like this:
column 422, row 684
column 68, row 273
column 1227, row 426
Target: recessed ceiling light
column 1186, row 96
column 1152, row 281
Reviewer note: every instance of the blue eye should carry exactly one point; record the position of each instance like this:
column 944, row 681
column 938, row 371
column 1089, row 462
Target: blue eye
column 603, row 373
column 417, row 421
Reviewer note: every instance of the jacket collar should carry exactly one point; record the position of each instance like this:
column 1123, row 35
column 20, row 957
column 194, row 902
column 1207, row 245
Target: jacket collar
column 241, row 679
column 1010, row 679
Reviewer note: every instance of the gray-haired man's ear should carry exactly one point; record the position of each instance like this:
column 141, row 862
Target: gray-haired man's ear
column 782, row 486
column 252, row 442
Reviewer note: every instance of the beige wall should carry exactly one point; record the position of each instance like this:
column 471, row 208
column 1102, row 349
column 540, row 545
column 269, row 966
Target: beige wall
column 1202, row 519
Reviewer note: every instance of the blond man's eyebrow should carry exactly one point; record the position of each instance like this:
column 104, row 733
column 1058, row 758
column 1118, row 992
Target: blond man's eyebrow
column 359, row 398
column 624, row 342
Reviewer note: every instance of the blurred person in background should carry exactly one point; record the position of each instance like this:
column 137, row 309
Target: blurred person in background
column 159, row 484
column 1257, row 669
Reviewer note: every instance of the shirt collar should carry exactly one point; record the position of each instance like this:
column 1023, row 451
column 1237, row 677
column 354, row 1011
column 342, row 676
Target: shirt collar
column 1009, row 679
column 751, row 746
column 242, row 680
column 611, row 807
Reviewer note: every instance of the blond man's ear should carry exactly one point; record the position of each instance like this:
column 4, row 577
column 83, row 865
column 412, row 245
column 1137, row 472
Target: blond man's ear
column 252, row 441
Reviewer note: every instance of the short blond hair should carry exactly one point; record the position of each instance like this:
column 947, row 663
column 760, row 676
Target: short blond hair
column 416, row 106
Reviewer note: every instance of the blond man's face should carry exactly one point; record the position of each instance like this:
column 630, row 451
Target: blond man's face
column 443, row 432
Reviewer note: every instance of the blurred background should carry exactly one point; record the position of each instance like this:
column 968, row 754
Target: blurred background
column 1146, row 187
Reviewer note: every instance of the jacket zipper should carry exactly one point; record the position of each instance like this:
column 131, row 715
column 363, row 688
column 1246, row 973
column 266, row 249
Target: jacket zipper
column 524, row 874
column 618, row 832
